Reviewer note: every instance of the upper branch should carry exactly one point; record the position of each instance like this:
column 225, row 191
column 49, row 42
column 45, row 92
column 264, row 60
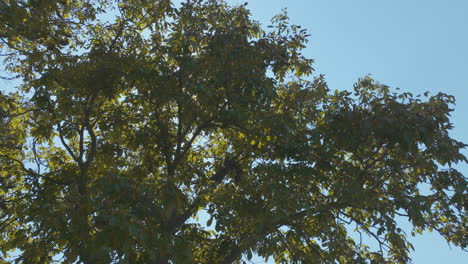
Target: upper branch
column 90, row 129
column 67, row 147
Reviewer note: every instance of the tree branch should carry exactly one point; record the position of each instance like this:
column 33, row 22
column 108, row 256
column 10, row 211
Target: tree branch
column 32, row 172
column 67, row 147
column 189, row 143
column 369, row 232
column 92, row 148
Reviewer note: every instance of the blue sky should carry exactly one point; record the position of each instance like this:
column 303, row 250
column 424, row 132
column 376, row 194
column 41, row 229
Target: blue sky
column 417, row 45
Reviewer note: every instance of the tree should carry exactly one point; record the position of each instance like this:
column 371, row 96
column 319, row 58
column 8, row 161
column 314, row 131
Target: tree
column 133, row 116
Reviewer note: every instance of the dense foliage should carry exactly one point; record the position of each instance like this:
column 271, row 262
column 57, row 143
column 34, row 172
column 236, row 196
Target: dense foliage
column 133, row 117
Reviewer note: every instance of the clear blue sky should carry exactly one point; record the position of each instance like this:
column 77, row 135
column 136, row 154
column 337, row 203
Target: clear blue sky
column 416, row 45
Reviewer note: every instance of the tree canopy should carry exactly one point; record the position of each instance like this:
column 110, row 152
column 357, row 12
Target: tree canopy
column 134, row 116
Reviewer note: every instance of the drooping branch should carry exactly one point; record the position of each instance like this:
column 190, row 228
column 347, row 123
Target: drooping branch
column 29, row 171
column 251, row 239
column 362, row 225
